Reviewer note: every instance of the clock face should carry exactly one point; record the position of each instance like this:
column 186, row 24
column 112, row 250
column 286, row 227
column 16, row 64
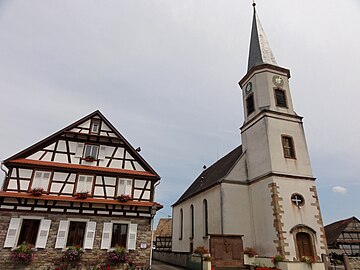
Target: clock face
column 277, row 80
column 248, row 88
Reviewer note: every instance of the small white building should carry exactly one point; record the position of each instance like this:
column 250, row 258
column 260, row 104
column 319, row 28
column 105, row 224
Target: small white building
column 264, row 189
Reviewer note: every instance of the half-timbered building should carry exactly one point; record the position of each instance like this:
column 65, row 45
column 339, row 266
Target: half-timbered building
column 84, row 185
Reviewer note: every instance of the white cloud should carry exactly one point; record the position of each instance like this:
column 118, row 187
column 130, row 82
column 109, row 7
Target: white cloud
column 339, row 189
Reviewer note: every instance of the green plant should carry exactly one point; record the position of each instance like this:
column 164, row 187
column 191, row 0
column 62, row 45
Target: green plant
column 276, row 259
column 251, row 252
column 201, row 250
column 23, row 253
column 117, row 255
column 206, row 258
column 73, row 254
column 308, row 259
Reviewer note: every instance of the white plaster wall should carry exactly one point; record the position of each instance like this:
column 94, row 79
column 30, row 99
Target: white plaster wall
column 292, row 215
column 239, row 171
column 299, row 166
column 214, row 226
column 263, row 219
column 237, row 212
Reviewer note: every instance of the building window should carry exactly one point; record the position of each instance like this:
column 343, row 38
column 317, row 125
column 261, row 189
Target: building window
column 297, row 199
column 84, row 183
column 119, row 235
column 76, row 233
column 125, row 187
column 192, row 221
column 250, row 107
column 206, row 218
column 288, row 147
column 181, row 224
column 91, row 151
column 280, row 98
column 41, row 180
column 95, row 127
column 29, row 231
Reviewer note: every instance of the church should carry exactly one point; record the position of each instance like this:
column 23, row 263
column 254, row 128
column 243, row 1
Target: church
column 263, row 192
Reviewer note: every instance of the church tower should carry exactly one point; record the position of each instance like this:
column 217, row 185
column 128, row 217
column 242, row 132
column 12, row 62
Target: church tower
column 283, row 198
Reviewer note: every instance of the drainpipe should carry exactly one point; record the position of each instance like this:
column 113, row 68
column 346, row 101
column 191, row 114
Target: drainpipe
column 153, row 213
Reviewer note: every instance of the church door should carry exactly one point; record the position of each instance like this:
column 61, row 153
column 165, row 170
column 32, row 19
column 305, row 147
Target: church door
column 304, row 245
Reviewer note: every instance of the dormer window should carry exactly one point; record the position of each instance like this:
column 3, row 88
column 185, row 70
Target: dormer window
column 95, row 127
column 91, row 152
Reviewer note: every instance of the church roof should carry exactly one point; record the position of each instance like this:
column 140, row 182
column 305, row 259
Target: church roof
column 259, row 52
column 333, row 230
column 212, row 175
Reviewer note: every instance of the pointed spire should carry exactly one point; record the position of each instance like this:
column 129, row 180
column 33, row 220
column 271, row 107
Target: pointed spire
column 260, row 52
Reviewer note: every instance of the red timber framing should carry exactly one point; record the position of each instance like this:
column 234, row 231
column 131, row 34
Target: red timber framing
column 90, row 156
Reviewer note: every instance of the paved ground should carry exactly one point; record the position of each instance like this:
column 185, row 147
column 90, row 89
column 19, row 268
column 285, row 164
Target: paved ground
column 156, row 265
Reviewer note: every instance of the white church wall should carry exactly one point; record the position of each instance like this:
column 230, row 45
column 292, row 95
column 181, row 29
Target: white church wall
column 307, row 215
column 263, row 218
column 301, row 164
column 214, row 220
column 237, row 212
column 238, row 173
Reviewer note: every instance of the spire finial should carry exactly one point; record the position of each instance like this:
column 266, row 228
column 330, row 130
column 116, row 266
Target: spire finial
column 254, row 4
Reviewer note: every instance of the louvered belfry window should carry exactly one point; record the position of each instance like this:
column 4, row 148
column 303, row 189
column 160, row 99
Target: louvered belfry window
column 280, row 97
column 250, row 106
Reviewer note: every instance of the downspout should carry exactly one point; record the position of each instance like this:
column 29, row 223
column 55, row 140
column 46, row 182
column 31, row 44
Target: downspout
column 6, row 174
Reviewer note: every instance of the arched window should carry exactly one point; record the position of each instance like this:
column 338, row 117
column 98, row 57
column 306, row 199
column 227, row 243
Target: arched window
column 181, row 224
column 192, row 221
column 206, row 218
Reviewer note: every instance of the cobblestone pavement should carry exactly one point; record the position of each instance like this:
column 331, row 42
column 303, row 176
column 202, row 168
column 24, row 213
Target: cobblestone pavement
column 157, row 265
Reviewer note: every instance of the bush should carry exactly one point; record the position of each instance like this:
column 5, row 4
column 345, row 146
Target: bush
column 201, row 250
column 23, row 253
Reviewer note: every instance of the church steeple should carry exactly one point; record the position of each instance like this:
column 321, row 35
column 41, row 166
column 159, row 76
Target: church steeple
column 259, row 52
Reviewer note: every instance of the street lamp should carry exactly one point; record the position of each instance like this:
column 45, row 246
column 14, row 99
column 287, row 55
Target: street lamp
column 152, row 214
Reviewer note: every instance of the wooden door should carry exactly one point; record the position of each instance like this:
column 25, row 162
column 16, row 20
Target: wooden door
column 304, row 245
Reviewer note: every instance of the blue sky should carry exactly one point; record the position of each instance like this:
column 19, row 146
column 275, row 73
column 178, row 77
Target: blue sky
column 165, row 74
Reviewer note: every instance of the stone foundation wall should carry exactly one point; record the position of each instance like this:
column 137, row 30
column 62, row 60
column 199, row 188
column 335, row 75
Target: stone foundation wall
column 354, row 263
column 44, row 258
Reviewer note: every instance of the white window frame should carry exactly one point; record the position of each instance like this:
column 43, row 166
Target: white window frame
column 95, row 123
column 125, row 186
column 42, row 234
column 91, row 147
column 108, row 229
column 89, row 237
column 85, row 187
column 41, row 181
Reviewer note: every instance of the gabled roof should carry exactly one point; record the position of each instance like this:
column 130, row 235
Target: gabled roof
column 47, row 141
column 259, row 51
column 212, row 175
column 164, row 227
column 333, row 230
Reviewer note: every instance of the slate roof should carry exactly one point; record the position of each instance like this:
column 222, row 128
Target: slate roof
column 259, row 51
column 333, row 230
column 212, row 175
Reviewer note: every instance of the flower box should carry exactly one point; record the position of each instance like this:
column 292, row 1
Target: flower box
column 89, row 159
column 36, row 191
column 124, row 198
column 82, row 195
column 23, row 253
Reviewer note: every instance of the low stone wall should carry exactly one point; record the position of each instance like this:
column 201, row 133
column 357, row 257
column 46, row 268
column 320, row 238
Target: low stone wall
column 354, row 263
column 175, row 258
column 44, row 258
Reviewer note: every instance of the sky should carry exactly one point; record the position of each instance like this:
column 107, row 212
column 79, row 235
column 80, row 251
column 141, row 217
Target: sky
column 165, row 73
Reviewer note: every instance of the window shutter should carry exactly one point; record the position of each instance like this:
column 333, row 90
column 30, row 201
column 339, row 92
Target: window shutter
column 106, row 236
column 79, row 150
column 43, row 233
column 102, row 152
column 12, row 232
column 132, row 237
column 62, row 234
column 90, row 235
